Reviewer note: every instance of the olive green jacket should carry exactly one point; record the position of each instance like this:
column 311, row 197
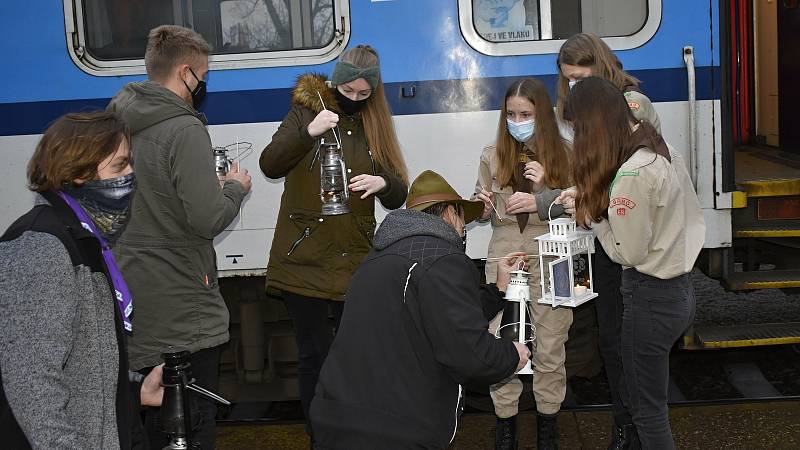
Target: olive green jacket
column 166, row 252
column 312, row 254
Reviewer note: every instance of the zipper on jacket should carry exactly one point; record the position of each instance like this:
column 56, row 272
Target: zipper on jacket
column 458, row 404
column 316, row 156
column 371, row 161
column 306, row 233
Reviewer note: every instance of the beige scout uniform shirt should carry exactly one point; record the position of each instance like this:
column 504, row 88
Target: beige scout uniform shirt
column 552, row 324
column 654, row 224
column 506, row 237
column 642, row 108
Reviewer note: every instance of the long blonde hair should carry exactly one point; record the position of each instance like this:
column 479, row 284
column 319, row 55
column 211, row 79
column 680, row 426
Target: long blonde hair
column 377, row 117
column 588, row 50
column 550, row 148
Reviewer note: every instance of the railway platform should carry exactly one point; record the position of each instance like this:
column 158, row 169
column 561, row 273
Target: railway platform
column 765, row 424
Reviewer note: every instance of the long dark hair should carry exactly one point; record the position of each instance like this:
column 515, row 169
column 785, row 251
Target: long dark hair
column 603, row 141
column 550, row 148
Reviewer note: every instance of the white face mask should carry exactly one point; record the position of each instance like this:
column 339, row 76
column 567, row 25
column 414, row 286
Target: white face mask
column 572, row 83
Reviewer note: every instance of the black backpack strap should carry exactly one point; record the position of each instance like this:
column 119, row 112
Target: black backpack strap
column 44, row 218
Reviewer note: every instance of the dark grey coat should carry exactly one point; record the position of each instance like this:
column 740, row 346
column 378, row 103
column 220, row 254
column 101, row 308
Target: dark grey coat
column 62, row 352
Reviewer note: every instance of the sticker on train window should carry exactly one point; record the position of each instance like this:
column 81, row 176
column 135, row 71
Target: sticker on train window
column 508, row 27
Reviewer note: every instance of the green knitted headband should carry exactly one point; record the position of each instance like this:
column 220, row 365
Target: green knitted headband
column 344, row 72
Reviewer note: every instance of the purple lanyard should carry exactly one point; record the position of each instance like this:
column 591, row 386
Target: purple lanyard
column 121, row 292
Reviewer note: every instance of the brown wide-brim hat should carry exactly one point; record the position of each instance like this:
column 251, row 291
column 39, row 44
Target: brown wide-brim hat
column 430, row 188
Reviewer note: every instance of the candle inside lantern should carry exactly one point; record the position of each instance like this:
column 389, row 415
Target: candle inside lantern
column 579, row 289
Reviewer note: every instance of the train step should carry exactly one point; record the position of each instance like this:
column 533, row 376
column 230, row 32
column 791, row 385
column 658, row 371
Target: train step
column 747, row 335
column 770, row 188
column 765, row 279
column 770, row 232
column 767, row 172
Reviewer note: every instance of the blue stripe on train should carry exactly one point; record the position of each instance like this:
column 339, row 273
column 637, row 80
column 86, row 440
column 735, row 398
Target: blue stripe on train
column 438, row 96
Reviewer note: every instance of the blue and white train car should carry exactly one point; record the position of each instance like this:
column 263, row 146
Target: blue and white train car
column 446, row 65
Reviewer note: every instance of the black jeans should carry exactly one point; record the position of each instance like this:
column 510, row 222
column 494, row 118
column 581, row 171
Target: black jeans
column 607, row 281
column 205, row 370
column 314, row 335
column 656, row 313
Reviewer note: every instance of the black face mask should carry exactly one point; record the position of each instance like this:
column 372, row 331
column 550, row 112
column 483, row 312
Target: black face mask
column 348, row 106
column 107, row 202
column 199, row 92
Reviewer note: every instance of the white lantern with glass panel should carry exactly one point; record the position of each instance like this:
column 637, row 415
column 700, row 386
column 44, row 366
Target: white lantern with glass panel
column 565, row 264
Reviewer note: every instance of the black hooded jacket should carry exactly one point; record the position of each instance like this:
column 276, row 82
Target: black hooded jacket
column 413, row 331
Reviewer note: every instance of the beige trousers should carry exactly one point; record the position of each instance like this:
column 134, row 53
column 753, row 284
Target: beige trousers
column 552, row 329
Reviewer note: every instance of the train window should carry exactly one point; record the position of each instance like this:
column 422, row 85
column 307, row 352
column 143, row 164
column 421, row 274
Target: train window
column 518, row 27
column 108, row 37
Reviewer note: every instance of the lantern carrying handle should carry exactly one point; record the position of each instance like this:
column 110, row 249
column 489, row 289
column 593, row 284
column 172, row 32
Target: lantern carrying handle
column 550, row 210
column 338, row 142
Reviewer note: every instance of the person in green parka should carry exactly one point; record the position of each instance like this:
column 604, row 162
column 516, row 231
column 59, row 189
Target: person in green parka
column 313, row 256
column 166, row 252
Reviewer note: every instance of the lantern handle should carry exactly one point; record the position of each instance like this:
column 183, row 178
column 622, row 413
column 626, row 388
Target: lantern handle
column 338, row 142
column 550, row 211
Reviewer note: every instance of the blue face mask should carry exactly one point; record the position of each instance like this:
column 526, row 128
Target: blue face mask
column 521, row 131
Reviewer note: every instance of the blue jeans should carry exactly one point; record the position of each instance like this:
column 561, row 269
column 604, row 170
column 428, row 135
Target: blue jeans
column 656, row 313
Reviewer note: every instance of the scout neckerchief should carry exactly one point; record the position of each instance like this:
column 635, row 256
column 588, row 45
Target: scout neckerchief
column 522, row 184
column 121, row 292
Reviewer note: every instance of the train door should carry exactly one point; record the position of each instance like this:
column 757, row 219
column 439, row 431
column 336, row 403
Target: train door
column 759, row 63
column 788, row 35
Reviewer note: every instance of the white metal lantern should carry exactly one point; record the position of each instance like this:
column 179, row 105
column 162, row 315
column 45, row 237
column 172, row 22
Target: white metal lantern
column 566, row 277
column 516, row 324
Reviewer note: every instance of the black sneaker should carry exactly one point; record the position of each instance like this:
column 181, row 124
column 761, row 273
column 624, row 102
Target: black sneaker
column 625, row 438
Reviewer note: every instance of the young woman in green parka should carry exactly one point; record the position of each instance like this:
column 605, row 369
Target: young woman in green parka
column 313, row 256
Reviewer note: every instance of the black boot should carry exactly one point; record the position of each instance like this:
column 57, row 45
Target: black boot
column 625, row 438
column 546, row 432
column 505, row 434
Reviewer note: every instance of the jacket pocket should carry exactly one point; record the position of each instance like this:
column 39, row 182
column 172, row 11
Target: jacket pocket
column 304, row 245
column 366, row 227
column 203, row 266
column 499, row 197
